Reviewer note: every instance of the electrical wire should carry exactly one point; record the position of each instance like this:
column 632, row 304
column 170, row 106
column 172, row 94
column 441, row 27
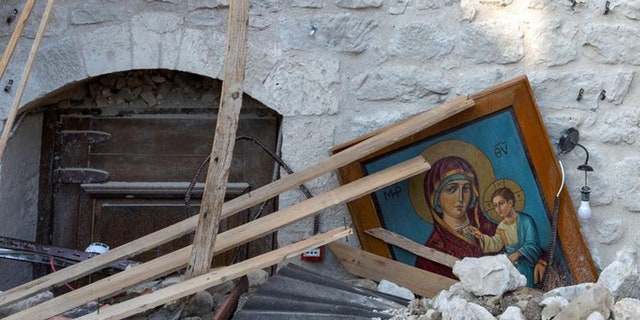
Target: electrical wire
column 53, row 269
column 192, row 184
column 554, row 231
column 260, row 211
column 562, row 175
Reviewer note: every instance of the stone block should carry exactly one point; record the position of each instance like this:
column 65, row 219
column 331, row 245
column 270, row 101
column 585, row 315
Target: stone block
column 339, row 33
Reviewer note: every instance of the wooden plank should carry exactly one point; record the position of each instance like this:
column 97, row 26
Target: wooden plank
column 200, row 283
column 413, row 247
column 374, row 267
column 8, row 125
column 226, row 240
column 353, row 153
column 15, row 36
column 223, row 140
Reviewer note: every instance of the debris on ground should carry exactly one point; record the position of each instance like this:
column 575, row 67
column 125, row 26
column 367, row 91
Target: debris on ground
column 614, row 296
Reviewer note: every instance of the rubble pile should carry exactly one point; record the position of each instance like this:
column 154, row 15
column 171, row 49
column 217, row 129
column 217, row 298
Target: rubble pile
column 201, row 305
column 491, row 288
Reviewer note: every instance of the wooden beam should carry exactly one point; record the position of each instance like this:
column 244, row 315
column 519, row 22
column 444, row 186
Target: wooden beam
column 223, row 141
column 226, row 240
column 374, row 267
column 191, row 286
column 402, row 242
column 17, row 32
column 11, row 118
column 353, row 153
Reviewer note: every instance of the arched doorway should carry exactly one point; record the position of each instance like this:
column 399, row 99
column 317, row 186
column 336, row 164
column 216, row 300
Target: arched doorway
column 120, row 150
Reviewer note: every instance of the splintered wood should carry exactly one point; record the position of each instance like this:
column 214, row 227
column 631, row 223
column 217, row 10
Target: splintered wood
column 224, row 140
column 402, row 242
column 207, row 242
column 374, row 267
column 200, row 283
column 350, row 154
column 229, row 239
column 239, row 235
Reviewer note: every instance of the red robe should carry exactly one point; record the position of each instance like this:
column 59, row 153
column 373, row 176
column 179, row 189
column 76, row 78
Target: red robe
column 443, row 240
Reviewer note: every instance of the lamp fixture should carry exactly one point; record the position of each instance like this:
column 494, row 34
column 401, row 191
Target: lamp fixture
column 567, row 142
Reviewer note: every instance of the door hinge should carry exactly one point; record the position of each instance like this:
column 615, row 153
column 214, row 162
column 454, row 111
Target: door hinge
column 80, row 175
column 84, row 137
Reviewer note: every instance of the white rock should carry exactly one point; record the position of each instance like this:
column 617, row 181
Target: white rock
column 363, row 283
column 257, row 279
column 626, row 309
column 595, row 316
column 469, row 9
column 621, row 276
column 597, row 299
column 552, row 306
column 568, row 293
column 458, row 308
column 490, row 275
column 394, row 289
column 512, row 313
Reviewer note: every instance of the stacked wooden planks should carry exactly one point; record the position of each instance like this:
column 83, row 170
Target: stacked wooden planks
column 197, row 257
column 234, row 237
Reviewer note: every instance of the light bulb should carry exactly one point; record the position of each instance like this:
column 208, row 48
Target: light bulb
column 584, row 212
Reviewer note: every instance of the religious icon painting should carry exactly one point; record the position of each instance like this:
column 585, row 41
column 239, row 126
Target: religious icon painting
column 491, row 189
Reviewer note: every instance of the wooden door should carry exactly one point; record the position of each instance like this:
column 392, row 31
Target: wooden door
column 113, row 179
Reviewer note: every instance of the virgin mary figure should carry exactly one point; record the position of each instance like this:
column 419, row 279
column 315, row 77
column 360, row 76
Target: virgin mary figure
column 451, row 191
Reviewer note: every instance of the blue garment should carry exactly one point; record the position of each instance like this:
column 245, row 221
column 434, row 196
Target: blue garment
column 528, row 245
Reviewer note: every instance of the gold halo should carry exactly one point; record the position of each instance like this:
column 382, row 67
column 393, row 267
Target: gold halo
column 487, row 202
column 465, row 150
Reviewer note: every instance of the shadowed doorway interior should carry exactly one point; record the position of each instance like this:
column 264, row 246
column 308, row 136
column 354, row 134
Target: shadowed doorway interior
column 119, row 152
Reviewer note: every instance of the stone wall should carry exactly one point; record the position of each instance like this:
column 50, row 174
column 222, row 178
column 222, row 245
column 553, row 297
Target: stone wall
column 337, row 69
column 19, row 195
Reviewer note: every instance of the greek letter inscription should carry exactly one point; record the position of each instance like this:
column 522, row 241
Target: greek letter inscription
column 500, row 149
column 392, row 192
